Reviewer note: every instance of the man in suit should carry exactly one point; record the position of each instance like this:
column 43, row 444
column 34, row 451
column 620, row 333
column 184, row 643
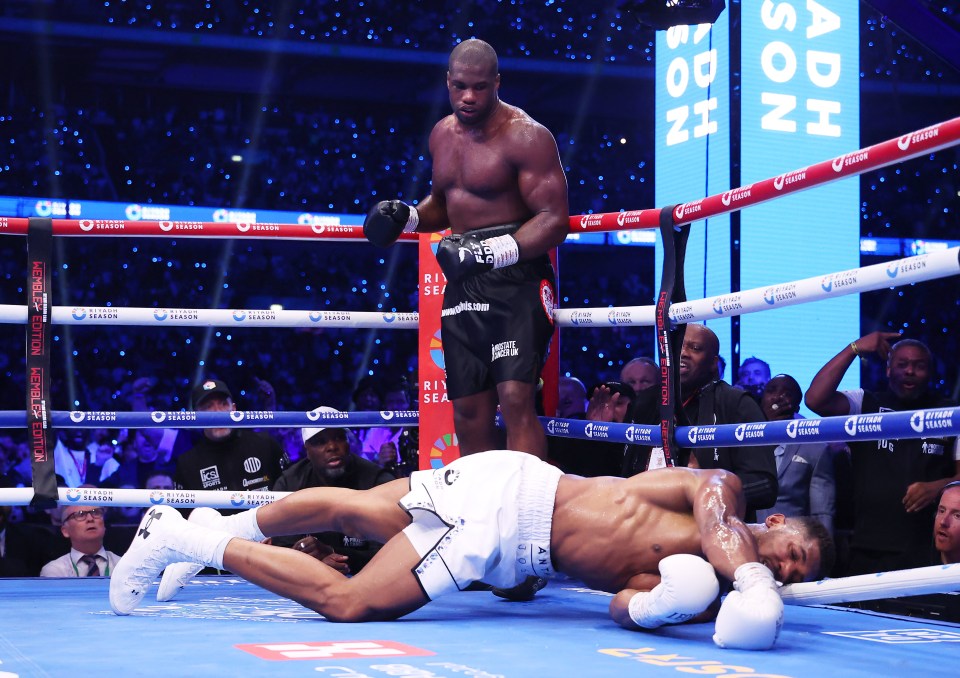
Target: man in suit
column 85, row 528
column 804, row 471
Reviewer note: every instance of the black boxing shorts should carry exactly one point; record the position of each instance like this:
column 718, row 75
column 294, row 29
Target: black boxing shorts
column 497, row 326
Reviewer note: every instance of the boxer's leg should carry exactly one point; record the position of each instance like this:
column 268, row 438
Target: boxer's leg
column 385, row 589
column 373, row 514
column 518, row 407
column 474, row 420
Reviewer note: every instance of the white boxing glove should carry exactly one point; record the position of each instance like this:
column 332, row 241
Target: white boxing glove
column 751, row 616
column 687, row 586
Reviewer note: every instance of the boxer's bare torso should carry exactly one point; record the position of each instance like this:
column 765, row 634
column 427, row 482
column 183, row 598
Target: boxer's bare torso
column 476, row 169
column 613, row 532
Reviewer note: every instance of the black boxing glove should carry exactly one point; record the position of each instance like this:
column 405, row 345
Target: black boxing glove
column 467, row 255
column 387, row 220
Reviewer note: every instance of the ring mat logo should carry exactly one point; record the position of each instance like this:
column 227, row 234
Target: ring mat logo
column 342, row 649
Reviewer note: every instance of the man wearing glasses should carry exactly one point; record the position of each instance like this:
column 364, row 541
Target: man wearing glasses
column 83, row 526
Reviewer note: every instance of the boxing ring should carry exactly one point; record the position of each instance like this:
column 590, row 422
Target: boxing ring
column 224, row 626
column 566, row 628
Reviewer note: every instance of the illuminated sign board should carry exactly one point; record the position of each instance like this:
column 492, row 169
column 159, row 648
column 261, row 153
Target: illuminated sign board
column 693, row 148
column 799, row 105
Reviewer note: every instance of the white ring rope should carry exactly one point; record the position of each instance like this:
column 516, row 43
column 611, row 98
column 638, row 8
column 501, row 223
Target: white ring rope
column 893, row 584
column 894, row 273
column 97, row 496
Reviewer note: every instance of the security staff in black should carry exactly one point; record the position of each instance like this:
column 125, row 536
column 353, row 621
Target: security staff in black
column 896, row 482
column 885, row 535
column 328, row 462
column 707, row 401
column 227, row 459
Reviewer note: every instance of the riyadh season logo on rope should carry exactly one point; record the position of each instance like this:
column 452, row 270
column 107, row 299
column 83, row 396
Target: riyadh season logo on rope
column 863, row 423
column 588, row 220
column 736, row 195
column 636, row 434
column 903, row 143
column 581, row 318
column 683, row 211
column 929, row 420
column 848, row 159
column 749, row 431
column 702, row 434
column 593, row 430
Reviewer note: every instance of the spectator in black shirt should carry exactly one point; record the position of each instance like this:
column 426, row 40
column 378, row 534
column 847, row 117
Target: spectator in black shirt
column 224, row 458
column 328, row 462
column 896, row 481
column 707, row 401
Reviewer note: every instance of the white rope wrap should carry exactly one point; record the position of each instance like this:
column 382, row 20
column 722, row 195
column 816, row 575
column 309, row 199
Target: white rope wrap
column 893, row 584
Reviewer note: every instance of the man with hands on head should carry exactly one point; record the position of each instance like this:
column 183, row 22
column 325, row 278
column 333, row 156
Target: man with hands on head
column 896, row 481
column 497, row 517
column 498, row 184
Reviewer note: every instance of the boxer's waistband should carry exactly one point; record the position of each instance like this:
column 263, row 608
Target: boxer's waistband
column 488, row 232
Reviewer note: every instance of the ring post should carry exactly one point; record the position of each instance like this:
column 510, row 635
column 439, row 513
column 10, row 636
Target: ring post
column 40, row 434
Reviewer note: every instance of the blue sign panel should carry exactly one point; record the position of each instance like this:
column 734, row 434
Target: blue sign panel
column 799, row 105
column 693, row 148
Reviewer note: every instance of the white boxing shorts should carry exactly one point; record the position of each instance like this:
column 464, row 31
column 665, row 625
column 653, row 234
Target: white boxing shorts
column 485, row 517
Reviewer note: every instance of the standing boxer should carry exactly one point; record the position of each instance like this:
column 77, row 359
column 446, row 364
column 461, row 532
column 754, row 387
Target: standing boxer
column 499, row 185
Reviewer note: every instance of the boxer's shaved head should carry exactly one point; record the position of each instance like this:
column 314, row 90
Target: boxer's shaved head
column 475, row 52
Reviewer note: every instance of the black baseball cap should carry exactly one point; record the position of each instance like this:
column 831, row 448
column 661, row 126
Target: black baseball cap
column 206, row 388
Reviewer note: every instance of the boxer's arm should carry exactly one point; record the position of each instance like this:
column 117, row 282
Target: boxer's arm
column 433, row 214
column 433, row 208
column 718, row 505
column 751, row 616
column 543, row 188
